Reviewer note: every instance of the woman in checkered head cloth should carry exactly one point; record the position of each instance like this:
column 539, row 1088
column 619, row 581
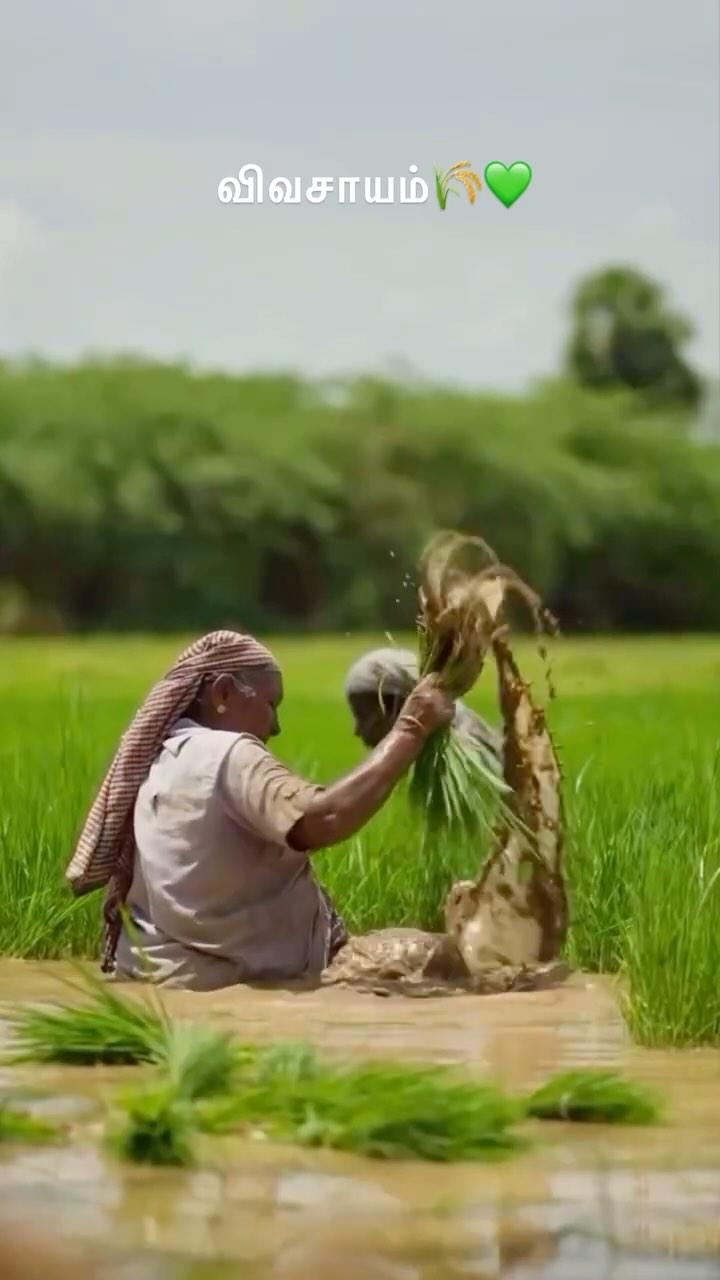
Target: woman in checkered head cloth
column 203, row 836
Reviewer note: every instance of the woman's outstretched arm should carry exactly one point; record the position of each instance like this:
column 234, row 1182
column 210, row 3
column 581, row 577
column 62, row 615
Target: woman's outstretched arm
column 265, row 796
column 339, row 810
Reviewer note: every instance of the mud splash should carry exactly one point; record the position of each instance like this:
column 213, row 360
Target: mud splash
column 583, row 1201
column 504, row 929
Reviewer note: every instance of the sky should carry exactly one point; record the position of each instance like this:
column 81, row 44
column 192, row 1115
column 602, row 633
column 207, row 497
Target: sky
column 117, row 122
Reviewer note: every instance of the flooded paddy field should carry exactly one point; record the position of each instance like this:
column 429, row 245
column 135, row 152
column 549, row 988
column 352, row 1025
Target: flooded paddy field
column 638, row 736
column 581, row 1201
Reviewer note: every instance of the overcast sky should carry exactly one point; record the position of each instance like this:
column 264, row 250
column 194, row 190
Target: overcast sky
column 117, row 120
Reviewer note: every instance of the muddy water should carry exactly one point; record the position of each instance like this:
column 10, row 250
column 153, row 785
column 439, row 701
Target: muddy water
column 583, row 1201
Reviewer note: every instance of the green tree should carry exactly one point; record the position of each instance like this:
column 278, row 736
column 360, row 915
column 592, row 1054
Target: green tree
column 625, row 334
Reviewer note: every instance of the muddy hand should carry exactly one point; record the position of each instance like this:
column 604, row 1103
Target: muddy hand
column 427, row 708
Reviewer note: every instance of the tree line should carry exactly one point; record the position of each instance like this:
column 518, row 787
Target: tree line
column 138, row 495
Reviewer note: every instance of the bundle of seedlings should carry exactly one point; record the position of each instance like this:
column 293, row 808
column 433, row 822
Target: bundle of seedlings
column 204, row 1081
column 593, row 1096
column 380, row 1109
column 157, row 1121
column 105, row 1028
column 462, row 593
column 286, row 1093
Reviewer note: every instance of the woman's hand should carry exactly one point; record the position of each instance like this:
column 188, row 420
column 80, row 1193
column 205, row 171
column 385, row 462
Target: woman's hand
column 427, row 708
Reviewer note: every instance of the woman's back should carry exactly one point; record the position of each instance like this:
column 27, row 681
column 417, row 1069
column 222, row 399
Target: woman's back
column 212, row 870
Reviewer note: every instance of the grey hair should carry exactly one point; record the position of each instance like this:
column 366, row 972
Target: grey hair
column 391, row 671
column 396, row 672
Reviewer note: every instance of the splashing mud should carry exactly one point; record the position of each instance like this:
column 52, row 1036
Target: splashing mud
column 504, row 929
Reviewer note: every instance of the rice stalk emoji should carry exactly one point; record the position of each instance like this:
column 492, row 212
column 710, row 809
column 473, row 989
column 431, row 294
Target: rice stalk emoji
column 460, row 172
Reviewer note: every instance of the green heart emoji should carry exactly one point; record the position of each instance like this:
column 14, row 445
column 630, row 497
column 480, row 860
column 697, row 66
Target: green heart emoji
column 506, row 183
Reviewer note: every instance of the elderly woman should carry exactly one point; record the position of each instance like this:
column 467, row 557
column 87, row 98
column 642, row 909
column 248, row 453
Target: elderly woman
column 376, row 687
column 204, row 838
column 503, row 929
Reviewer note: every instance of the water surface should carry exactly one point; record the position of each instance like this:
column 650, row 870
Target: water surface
column 583, row 1201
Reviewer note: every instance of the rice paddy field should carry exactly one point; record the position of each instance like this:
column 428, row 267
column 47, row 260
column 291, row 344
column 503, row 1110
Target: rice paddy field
column 637, row 722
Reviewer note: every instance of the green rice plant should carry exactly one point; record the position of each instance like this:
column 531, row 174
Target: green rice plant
column 199, row 1061
column 671, row 940
column 458, row 599
column 154, row 1124
column 20, row 1126
column 638, row 736
column 374, row 1109
column 106, row 1029
column 644, row 866
column 593, row 1097
column 453, row 788
column 205, row 1080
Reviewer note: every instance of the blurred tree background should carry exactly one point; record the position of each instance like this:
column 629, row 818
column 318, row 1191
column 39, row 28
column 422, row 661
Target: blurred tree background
column 626, row 335
column 135, row 495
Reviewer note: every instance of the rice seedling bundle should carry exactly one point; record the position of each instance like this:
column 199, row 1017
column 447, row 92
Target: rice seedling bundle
column 155, row 1124
column 594, row 1097
column 205, row 1081
column 383, row 1110
column 461, row 596
column 105, row 1029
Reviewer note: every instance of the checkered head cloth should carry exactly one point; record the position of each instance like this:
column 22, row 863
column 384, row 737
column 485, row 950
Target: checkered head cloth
column 106, row 847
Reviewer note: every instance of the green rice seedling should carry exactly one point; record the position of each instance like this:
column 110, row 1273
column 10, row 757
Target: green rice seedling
column 106, row 1029
column 199, row 1061
column 644, row 870
column 638, row 735
column 19, row 1126
column 154, row 1124
column 376, row 1109
column 671, row 940
column 456, row 790
column 594, row 1097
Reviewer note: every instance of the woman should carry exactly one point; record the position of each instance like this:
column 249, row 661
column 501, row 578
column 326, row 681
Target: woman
column 204, row 838
column 376, row 687
column 505, row 928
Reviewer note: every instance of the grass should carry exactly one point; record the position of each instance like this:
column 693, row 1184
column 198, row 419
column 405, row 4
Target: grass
column 638, row 735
